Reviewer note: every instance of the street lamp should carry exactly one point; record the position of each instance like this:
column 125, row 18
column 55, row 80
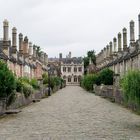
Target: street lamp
column 49, row 85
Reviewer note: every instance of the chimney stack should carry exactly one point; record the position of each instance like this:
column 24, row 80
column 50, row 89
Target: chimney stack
column 21, row 43
column 30, row 49
column 115, row 44
column 34, row 52
column 14, row 38
column 124, row 39
column 25, row 45
column 60, row 55
column 110, row 53
column 5, row 30
column 139, row 25
column 132, row 33
column 119, row 42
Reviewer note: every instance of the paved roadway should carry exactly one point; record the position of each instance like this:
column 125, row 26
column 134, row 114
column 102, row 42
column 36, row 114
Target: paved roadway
column 71, row 114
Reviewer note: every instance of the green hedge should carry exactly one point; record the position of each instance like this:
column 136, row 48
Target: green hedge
column 130, row 85
column 104, row 77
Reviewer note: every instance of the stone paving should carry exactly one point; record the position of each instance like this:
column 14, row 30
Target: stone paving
column 71, row 114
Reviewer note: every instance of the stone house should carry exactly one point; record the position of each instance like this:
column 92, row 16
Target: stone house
column 118, row 55
column 72, row 69
column 22, row 58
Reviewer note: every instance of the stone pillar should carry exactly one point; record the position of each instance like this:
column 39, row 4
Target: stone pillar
column 115, row 44
column 124, row 39
column 5, row 30
column 119, row 42
column 132, row 32
column 110, row 53
column 14, row 37
column 30, row 49
column 20, row 43
column 139, row 25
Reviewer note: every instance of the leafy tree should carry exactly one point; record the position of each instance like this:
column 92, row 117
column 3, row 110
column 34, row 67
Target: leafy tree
column 7, row 83
column 90, row 55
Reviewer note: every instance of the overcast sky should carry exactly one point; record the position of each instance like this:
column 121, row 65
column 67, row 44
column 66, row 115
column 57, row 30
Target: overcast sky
column 69, row 25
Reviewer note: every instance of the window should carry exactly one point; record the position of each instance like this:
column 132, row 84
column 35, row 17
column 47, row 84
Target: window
column 69, row 79
column 69, row 69
column 79, row 78
column 64, row 69
column 75, row 69
column 80, row 69
column 75, row 79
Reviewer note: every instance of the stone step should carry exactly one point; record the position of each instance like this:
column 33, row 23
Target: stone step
column 14, row 111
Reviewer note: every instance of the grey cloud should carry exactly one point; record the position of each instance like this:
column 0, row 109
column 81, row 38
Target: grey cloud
column 69, row 25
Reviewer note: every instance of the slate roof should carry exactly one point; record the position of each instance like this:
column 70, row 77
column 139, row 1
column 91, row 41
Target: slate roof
column 75, row 60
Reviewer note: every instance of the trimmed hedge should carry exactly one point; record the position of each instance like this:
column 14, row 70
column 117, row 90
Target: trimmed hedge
column 104, row 77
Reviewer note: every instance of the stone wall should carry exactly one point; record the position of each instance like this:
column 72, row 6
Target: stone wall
column 110, row 92
column 114, row 94
column 22, row 101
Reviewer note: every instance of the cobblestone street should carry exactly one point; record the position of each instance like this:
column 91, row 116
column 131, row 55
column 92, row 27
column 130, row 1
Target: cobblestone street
column 71, row 114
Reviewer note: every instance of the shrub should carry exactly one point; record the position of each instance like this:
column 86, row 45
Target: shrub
column 106, row 77
column 27, row 89
column 19, row 85
column 130, row 85
column 7, row 83
column 34, row 83
column 88, row 81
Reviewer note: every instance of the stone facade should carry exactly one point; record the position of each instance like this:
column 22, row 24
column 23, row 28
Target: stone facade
column 23, row 60
column 72, row 69
column 123, row 59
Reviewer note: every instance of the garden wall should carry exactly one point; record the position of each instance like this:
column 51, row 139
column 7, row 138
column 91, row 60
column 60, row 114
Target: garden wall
column 111, row 92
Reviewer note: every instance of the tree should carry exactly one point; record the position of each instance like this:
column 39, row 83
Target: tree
column 7, row 83
column 90, row 55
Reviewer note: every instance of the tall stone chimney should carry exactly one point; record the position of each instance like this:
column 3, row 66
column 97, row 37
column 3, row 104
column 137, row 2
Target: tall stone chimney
column 139, row 25
column 60, row 55
column 42, row 57
column 30, row 49
column 14, row 38
column 21, row 43
column 110, row 53
column 124, row 39
column 104, row 52
column 46, row 59
column 107, row 50
column 5, row 30
column 132, row 33
column 119, row 42
column 115, row 44
column 34, row 52
column 25, row 45
column 69, row 54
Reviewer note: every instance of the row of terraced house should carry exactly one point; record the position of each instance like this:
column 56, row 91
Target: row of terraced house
column 119, row 55
column 23, row 59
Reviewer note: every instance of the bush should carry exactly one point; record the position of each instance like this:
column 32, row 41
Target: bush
column 27, row 89
column 34, row 83
column 88, row 81
column 106, row 77
column 7, row 83
column 130, row 85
